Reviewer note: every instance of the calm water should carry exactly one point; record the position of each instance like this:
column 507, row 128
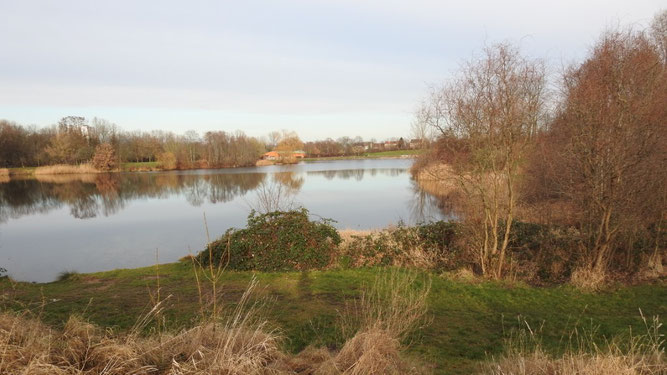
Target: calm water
column 102, row 222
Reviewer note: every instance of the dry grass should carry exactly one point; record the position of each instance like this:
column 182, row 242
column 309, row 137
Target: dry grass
column 347, row 235
column 237, row 344
column 379, row 322
column 4, row 175
column 234, row 342
column 588, row 280
column 65, row 169
column 636, row 355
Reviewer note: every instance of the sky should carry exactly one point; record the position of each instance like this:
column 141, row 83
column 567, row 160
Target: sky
column 321, row 68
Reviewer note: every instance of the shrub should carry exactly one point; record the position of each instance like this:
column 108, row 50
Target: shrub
column 167, row 160
column 431, row 246
column 275, row 241
column 542, row 253
column 105, row 158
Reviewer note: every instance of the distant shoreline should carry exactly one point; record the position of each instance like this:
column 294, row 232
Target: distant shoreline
column 153, row 166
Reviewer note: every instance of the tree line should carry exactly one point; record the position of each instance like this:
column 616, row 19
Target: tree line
column 589, row 155
column 76, row 140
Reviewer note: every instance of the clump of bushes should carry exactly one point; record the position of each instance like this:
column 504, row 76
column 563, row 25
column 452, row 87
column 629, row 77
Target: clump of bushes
column 167, row 161
column 539, row 254
column 275, row 241
column 289, row 241
column 105, row 158
column 430, row 246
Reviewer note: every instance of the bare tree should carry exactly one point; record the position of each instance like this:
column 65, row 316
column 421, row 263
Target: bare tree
column 612, row 129
column 273, row 138
column 487, row 117
column 659, row 34
column 420, row 128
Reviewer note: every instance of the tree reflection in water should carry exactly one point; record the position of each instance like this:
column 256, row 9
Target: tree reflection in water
column 88, row 196
column 425, row 206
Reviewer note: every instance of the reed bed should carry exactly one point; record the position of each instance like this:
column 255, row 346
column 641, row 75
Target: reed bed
column 65, row 169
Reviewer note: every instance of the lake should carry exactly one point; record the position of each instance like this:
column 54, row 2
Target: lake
column 89, row 223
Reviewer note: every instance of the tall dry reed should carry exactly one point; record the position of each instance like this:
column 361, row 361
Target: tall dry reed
column 65, row 169
column 376, row 326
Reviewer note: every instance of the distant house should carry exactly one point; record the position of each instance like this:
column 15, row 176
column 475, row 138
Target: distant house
column 271, row 155
column 278, row 155
column 377, row 146
column 363, row 146
column 391, row 145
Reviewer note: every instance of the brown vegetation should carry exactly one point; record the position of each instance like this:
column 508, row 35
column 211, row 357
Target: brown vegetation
column 487, row 118
column 637, row 355
column 4, row 175
column 230, row 342
column 65, row 169
column 105, row 158
column 595, row 165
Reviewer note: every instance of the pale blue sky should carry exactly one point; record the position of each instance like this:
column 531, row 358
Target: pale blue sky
column 321, row 68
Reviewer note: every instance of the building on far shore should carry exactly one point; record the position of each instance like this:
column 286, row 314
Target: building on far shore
column 279, row 155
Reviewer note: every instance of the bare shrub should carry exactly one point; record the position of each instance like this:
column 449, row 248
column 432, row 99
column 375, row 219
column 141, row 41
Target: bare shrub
column 487, row 118
column 105, row 158
column 167, row 161
column 610, row 143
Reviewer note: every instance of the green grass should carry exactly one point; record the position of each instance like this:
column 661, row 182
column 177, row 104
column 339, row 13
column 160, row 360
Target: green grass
column 372, row 155
column 469, row 320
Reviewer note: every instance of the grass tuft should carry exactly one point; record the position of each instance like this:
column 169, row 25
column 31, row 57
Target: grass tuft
column 67, row 275
column 588, row 280
column 633, row 355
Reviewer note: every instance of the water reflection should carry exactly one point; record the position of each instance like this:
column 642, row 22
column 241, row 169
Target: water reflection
column 99, row 222
column 426, row 207
column 358, row 174
column 88, row 196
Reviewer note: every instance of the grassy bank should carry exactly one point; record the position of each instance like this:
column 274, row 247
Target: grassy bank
column 469, row 319
column 373, row 155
